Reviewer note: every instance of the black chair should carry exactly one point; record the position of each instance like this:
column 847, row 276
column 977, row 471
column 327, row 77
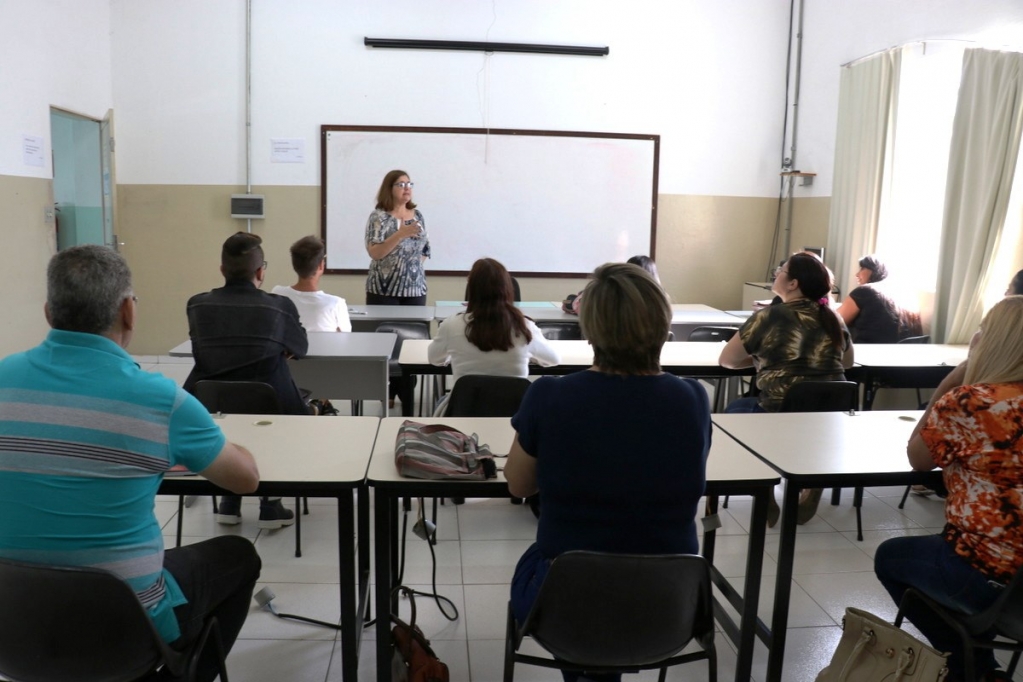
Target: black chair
column 85, row 624
column 609, row 613
column 871, row 390
column 403, row 386
column 715, row 334
column 516, row 295
column 827, row 396
column 712, row 334
column 486, row 396
column 1003, row 619
column 560, row 331
column 242, row 397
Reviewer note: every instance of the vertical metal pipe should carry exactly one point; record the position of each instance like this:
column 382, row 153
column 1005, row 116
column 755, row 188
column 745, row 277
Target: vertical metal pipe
column 795, row 127
column 248, row 102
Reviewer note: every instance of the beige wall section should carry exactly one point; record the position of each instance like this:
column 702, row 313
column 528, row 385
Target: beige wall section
column 28, row 244
column 706, row 247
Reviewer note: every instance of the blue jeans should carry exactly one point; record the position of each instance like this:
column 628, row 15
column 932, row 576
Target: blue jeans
column 530, row 573
column 930, row 564
column 744, row 405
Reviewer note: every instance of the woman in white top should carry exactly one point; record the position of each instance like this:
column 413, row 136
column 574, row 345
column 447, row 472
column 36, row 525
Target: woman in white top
column 492, row 336
column 317, row 310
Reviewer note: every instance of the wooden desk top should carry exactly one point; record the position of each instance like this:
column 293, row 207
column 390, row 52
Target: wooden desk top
column 728, row 460
column 300, row 449
column 825, row 443
column 331, row 346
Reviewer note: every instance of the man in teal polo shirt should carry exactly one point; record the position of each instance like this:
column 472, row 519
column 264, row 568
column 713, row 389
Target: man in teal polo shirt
column 85, row 437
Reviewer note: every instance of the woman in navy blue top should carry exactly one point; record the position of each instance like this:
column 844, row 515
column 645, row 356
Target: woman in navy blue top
column 619, row 451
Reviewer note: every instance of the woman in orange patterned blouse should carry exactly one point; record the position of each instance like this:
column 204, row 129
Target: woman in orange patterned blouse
column 974, row 432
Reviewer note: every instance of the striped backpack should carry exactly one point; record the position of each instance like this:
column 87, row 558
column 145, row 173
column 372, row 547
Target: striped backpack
column 438, row 451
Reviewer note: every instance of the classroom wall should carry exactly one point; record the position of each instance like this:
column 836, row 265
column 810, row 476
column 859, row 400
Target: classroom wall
column 53, row 53
column 708, row 77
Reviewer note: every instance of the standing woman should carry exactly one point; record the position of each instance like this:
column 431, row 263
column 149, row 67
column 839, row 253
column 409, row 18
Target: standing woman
column 397, row 245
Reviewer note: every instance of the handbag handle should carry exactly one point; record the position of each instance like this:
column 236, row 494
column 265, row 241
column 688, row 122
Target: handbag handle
column 902, row 664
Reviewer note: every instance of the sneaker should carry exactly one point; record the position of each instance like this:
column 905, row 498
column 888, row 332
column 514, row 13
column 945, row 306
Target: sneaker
column 229, row 513
column 273, row 515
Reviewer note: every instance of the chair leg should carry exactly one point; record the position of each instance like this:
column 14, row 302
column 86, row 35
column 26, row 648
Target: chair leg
column 305, row 506
column 509, row 646
column 181, row 516
column 663, row 675
column 1012, row 663
column 724, row 503
column 216, row 509
column 902, row 503
column 298, row 527
column 836, row 497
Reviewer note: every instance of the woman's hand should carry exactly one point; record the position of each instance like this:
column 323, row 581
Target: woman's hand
column 410, row 230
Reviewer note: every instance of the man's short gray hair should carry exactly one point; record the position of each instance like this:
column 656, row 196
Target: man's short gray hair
column 85, row 287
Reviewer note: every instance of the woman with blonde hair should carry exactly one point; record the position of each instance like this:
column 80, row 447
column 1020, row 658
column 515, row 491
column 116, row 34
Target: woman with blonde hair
column 577, row 438
column 974, row 433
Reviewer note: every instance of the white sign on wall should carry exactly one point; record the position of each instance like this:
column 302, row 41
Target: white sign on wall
column 287, row 150
column 32, row 150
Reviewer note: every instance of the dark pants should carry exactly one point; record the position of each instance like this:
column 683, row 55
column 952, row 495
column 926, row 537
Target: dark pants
column 930, row 564
column 380, row 299
column 217, row 577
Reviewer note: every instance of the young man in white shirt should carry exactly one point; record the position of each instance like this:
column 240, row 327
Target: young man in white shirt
column 318, row 310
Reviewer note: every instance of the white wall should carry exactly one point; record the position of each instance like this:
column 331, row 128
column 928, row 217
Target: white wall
column 839, row 32
column 53, row 53
column 707, row 76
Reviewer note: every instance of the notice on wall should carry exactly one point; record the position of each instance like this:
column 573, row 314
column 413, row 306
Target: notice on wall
column 287, row 150
column 32, row 150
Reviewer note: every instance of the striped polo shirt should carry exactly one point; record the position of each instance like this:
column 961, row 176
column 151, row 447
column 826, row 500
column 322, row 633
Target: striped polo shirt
column 85, row 436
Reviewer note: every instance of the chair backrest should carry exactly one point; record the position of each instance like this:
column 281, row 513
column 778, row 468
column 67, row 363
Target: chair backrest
column 516, row 295
column 621, row 609
column 821, row 396
column 486, row 396
column 404, row 330
column 237, row 397
column 712, row 333
column 916, row 339
column 66, row 623
column 561, row 331
column 1005, row 615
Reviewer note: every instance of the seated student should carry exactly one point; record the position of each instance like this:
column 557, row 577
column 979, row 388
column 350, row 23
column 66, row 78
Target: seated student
column 870, row 312
column 972, row 433
column 572, row 303
column 85, row 437
column 798, row 339
column 492, row 336
column 631, row 489
column 240, row 333
column 317, row 310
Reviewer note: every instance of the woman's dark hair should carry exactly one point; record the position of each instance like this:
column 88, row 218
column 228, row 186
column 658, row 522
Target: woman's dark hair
column 493, row 320
column 647, row 263
column 1016, row 285
column 878, row 271
column 815, row 283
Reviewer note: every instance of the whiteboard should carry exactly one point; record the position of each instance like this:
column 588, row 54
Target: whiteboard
column 543, row 203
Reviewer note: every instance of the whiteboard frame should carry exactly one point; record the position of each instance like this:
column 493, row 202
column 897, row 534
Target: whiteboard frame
column 655, row 140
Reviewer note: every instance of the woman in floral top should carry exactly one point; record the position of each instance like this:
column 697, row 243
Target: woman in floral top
column 397, row 245
column 974, row 432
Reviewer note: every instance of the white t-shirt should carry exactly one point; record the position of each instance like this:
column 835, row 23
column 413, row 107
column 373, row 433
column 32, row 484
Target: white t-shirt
column 318, row 310
column 451, row 347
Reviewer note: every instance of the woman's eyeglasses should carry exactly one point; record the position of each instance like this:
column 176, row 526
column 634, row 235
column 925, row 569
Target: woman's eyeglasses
column 404, row 185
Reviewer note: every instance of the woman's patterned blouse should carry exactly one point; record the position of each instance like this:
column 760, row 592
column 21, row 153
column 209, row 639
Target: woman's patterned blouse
column 399, row 273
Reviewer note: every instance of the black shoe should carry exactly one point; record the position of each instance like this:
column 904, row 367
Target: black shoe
column 229, row 513
column 515, row 500
column 273, row 515
column 457, row 500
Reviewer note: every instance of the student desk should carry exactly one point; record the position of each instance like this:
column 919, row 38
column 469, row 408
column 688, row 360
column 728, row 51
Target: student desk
column 730, row 471
column 365, row 318
column 341, row 366
column 301, row 456
column 821, row 450
column 903, row 365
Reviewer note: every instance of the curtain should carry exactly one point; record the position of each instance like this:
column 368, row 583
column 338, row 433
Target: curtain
column 982, row 160
column 866, row 112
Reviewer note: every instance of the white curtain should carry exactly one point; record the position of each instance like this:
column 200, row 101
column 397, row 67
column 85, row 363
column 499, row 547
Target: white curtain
column 982, row 159
column 866, row 112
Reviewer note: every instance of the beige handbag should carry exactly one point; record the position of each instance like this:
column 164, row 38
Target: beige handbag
column 872, row 650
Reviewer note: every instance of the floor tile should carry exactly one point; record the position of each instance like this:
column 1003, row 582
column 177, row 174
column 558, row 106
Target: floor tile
column 256, row 660
column 491, row 562
column 495, row 519
column 823, row 553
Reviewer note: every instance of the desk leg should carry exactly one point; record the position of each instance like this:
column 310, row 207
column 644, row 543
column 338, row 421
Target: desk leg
column 385, row 519
column 362, row 533
column 783, row 582
column 351, row 620
column 751, row 589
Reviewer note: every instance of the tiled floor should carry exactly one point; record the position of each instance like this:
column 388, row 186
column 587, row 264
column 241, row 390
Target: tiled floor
column 479, row 544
